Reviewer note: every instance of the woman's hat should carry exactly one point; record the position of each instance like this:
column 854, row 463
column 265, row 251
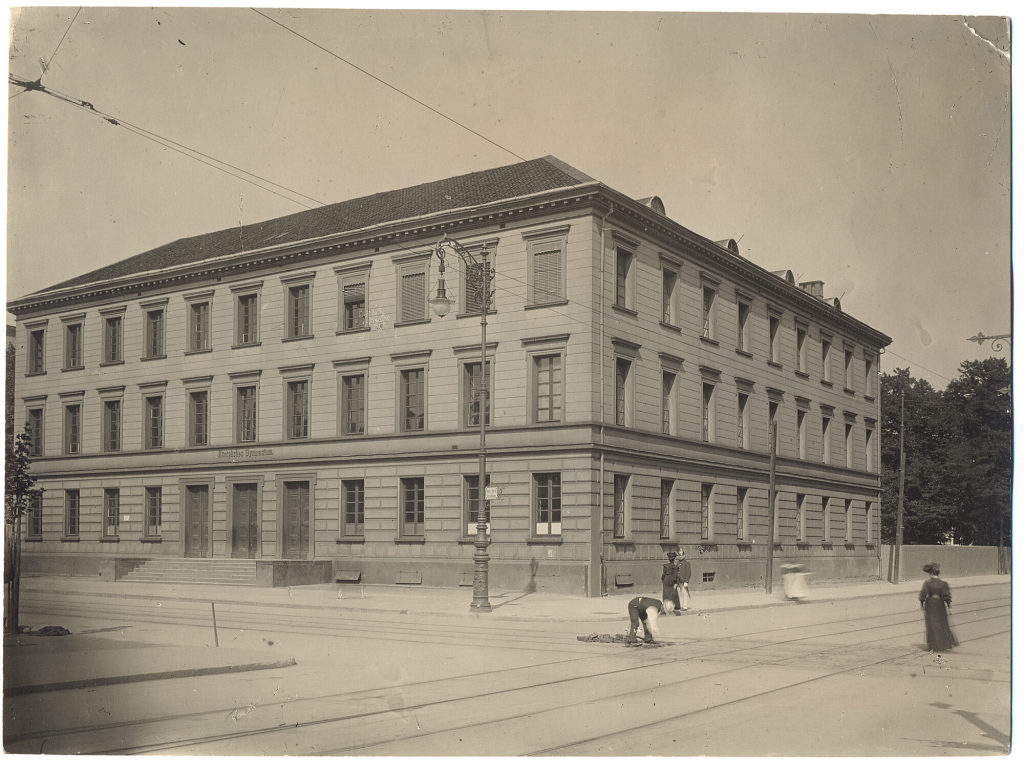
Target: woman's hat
column 930, row 568
column 673, row 554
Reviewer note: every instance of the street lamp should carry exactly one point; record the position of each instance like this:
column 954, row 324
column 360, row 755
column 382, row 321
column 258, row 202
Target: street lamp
column 477, row 265
column 997, row 340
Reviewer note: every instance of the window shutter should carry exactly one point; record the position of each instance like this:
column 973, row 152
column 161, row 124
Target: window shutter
column 414, row 296
column 547, row 275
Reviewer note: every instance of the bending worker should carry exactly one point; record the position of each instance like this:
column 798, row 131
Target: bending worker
column 647, row 610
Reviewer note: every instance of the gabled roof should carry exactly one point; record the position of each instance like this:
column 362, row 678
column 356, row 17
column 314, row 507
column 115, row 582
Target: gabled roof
column 529, row 177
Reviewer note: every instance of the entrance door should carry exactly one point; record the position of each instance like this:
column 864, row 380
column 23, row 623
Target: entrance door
column 245, row 531
column 197, row 521
column 296, row 520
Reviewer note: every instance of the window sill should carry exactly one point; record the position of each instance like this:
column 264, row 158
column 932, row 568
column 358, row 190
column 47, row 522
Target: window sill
column 302, row 338
column 670, row 326
column 543, row 540
column 411, row 540
column 826, row 382
column 744, row 353
column 775, row 364
column 802, row 374
column 351, row 539
column 461, row 315
column 539, row 305
column 35, row 373
column 709, row 340
column 849, row 391
column 111, row 451
column 198, row 352
column 34, row 538
column 111, row 363
column 418, row 322
column 360, row 330
column 154, row 540
column 66, row 369
column 110, row 539
column 870, row 398
column 849, row 545
column 470, row 539
column 70, row 539
column 625, row 310
column 826, row 545
column 153, row 357
column 242, row 346
column 629, row 542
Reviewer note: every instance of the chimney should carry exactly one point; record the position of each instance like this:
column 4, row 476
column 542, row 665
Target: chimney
column 815, row 288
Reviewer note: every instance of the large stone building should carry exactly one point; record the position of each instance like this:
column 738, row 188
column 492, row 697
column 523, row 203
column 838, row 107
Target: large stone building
column 279, row 395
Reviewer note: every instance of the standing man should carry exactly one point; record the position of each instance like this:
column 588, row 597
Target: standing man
column 683, row 567
column 647, row 610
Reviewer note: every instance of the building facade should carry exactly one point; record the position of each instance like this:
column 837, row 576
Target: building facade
column 281, row 393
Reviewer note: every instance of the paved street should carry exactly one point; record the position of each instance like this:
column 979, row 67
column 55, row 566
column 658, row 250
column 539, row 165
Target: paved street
column 837, row 677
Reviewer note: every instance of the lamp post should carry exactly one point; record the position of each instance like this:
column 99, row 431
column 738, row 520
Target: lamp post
column 997, row 340
column 477, row 264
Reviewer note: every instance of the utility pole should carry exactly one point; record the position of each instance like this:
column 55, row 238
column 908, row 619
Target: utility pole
column 772, row 438
column 899, row 505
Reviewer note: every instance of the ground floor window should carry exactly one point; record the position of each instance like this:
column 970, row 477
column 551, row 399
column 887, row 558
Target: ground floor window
column 111, row 511
column 547, row 504
column 34, row 515
column 621, row 502
column 412, row 507
column 154, row 510
column 471, row 503
column 352, row 494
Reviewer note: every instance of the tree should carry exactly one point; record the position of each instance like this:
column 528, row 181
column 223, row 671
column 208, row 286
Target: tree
column 19, row 494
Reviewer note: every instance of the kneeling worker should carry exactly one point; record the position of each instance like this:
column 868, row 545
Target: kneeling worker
column 646, row 609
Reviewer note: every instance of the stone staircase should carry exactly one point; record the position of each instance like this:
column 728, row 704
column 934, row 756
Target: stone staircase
column 208, row 571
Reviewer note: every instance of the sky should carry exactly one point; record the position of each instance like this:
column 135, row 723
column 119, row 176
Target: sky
column 871, row 152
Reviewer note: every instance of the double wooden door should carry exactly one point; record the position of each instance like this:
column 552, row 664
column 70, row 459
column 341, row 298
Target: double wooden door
column 245, row 520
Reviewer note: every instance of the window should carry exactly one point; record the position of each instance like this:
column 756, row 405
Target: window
column 34, row 426
column 826, row 438
column 471, row 503
column 801, row 433
column 73, row 346
column 707, row 511
column 111, row 425
column 34, row 516
column 621, row 503
column 297, row 316
column 743, row 325
column 73, row 428
column 199, row 418
column 412, row 291
column 869, row 523
column 297, row 409
column 668, row 402
column 869, row 449
column 849, row 520
column 352, row 508
column 353, row 404
column 36, row 363
column 199, row 327
column 475, row 279
column 471, row 387
column 412, row 507
column 623, row 274
column 247, row 323
column 113, row 351
column 154, row 425
column 707, row 412
column 245, row 413
column 773, row 424
column 623, row 392
column 743, row 420
column 708, row 316
column 826, row 358
column 774, row 338
column 154, row 510
column 546, row 262
column 666, row 508
column 870, row 381
column 742, row 515
column 801, row 517
column 849, row 444
column 826, row 517
column 412, row 400
column 669, row 279
column 801, row 347
column 111, row 511
column 547, row 388
column 71, row 512
column 848, row 367
column 547, row 504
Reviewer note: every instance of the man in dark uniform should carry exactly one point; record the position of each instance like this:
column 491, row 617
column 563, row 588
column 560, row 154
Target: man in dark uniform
column 647, row 610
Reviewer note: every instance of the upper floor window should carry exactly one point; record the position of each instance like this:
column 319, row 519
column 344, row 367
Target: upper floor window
column 112, row 425
column 73, row 339
column 849, row 444
column 247, row 320
column 245, row 413
column 546, row 251
column 478, row 280
column 709, row 307
column 353, row 404
column 773, row 424
column 774, row 338
column 34, row 426
column 547, row 504
column 848, row 367
column 801, row 347
column 669, row 281
column 113, row 330
column 623, row 392
column 869, row 449
column 154, row 341
column 707, row 412
column 668, row 402
column 547, row 388
column 472, row 386
column 199, row 336
column 297, row 409
column 743, row 325
column 36, row 363
column 870, row 381
column 73, row 428
column 198, row 417
column 826, row 438
column 743, row 420
column 801, row 432
column 297, row 310
column 353, row 290
column 826, row 358
column 412, row 399
column 623, row 277
column 412, row 290
column 154, row 424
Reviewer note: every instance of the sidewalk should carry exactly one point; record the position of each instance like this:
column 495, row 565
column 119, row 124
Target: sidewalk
column 34, row 664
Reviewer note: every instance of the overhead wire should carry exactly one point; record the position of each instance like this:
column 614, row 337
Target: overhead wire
column 386, row 83
column 71, row 24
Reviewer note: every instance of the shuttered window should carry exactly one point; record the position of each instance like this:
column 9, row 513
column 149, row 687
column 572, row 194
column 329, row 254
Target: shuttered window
column 547, row 274
column 413, row 295
column 354, row 306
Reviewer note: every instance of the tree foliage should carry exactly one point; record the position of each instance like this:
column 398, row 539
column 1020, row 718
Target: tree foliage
column 958, row 450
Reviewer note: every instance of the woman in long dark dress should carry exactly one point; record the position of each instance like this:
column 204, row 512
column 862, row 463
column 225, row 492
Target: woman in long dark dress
column 936, row 600
column 670, row 581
